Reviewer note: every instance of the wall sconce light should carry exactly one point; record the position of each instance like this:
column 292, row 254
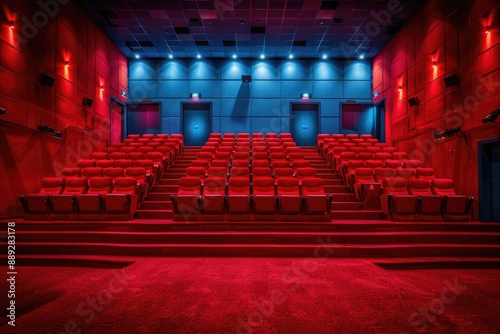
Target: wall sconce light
column 447, row 133
column 101, row 87
column 124, row 93
column 434, row 64
column 377, row 93
column 400, row 88
column 492, row 117
column 487, row 28
column 3, row 111
column 305, row 96
column 195, row 96
column 11, row 24
column 66, row 63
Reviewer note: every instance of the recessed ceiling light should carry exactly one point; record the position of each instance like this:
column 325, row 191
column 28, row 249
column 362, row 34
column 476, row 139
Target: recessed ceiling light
column 290, row 56
column 324, row 57
column 235, row 56
column 170, row 56
column 262, row 56
column 361, row 56
column 137, row 56
column 198, row 56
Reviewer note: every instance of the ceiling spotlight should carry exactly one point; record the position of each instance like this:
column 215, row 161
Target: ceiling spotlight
column 434, row 64
column 170, row 56
column 235, row 56
column 290, row 56
column 198, row 56
column 262, row 56
column 400, row 88
column 361, row 56
column 137, row 56
column 491, row 117
column 11, row 24
column 324, row 57
column 66, row 63
column 487, row 28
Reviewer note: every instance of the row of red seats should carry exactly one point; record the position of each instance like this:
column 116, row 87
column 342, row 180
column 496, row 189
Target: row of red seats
column 79, row 198
column 256, row 135
column 251, row 174
column 238, row 199
column 418, row 199
column 337, row 161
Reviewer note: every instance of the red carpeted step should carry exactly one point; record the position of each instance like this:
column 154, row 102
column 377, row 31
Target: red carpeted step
column 157, row 205
column 168, row 182
column 170, row 189
column 270, row 250
column 90, row 261
column 346, row 206
column 157, row 196
column 357, row 214
column 337, row 189
column 153, row 214
column 334, row 182
column 343, row 197
column 174, row 176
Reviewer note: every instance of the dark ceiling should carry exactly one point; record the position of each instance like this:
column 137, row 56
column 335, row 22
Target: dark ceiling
column 223, row 28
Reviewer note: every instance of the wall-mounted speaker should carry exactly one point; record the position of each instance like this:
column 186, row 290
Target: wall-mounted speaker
column 413, row 101
column 87, row 102
column 451, row 80
column 47, row 80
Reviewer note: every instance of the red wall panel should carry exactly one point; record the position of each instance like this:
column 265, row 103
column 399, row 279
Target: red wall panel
column 452, row 33
column 28, row 155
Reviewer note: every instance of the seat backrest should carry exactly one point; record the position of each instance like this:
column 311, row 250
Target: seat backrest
column 83, row 163
column 372, row 141
column 118, row 155
column 260, row 164
column 288, row 186
column 425, row 173
column 300, row 164
column 100, row 185
column 405, row 173
column 146, row 164
column 100, row 156
column 136, row 156
column 124, row 185
column 271, row 135
column 241, row 155
column 442, row 187
column 139, row 173
column 189, row 186
column 296, row 156
column 257, row 135
column 383, row 156
column 312, row 186
column 339, row 149
column 223, row 155
column 259, row 156
column 52, row 185
column 363, row 175
column 259, row 148
column 113, row 172
column 374, row 164
column 321, row 136
column 243, row 172
column 239, row 186
column 200, row 163
column 349, row 144
column 264, row 186
column 128, row 149
column 346, row 156
column 105, row 163
column 70, row 172
column 352, row 165
column 280, row 164
column 146, row 149
column 357, row 141
column 351, row 136
column 157, row 157
column 389, row 149
column 395, row 186
column 283, row 172
column 394, row 164
column 198, row 172
column 217, row 172
column 261, row 172
column 288, row 144
column 162, row 135
column 214, row 185
column 148, row 135
column 204, row 156
column 412, row 163
column 136, row 145
column 338, row 136
column 419, row 187
column 133, row 136
column 143, row 140
column 219, row 163
column 373, row 149
column 399, row 155
column 365, row 156
column 90, row 172
column 124, row 163
column 304, row 172
column 216, row 135
column 383, row 173
column 110, row 150
column 365, row 136
column 75, row 186
column 164, row 150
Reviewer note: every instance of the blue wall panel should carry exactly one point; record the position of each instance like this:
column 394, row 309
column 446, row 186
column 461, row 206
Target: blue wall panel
column 260, row 106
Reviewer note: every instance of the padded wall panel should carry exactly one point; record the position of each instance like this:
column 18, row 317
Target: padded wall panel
column 266, row 89
column 171, row 69
column 329, row 70
column 296, row 70
column 357, row 70
column 11, row 58
column 143, row 70
column 328, row 89
column 173, row 124
column 293, row 89
column 173, row 89
column 357, row 89
column 234, row 69
column 265, row 107
column 140, row 89
column 204, row 70
column 265, row 124
column 209, row 89
column 330, row 108
column 266, row 70
column 330, row 125
column 234, row 89
column 235, row 124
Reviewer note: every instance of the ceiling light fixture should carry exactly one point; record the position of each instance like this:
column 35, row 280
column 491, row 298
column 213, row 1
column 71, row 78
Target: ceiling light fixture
column 11, row 24
column 434, row 64
column 324, row 57
column 361, row 56
column 262, row 56
column 290, row 56
column 137, row 56
column 198, row 56
column 170, row 56
column 235, row 56
column 487, row 29
column 400, row 88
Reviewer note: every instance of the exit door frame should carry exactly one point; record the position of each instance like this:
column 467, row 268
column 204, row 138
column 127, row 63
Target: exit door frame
column 482, row 189
column 196, row 106
column 305, row 104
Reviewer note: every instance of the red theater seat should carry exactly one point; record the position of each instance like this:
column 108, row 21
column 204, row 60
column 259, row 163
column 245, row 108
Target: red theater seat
column 90, row 204
column 105, row 163
column 149, row 136
column 136, row 156
column 405, row 173
column 425, row 173
column 295, row 157
column 216, row 135
column 393, row 164
column 338, row 136
column 201, row 163
column 429, row 205
column 100, row 156
column 365, row 156
column 364, row 180
column 168, row 156
column 133, row 136
column 220, row 163
column 389, row 149
column 414, row 164
column 282, row 173
column 143, row 141
column 271, row 135
column 129, row 140
column 239, row 172
column 264, row 196
column 260, row 164
column 299, row 164
column 259, row 156
column 348, row 171
column 383, row 173
column 289, row 196
column 118, row 155
column 143, row 180
column 351, row 136
column 357, row 149
column 365, row 136
column 83, row 163
column 124, row 163
column 214, row 195
column 399, row 155
column 146, row 149
column 135, row 145
column 90, row 172
column 186, row 202
column 277, row 156
column 372, row 141
column 223, row 155
column 113, row 172
column 306, row 172
column 374, row 164
column 260, row 172
column 158, row 160
column 198, row 172
column 64, row 206
column 238, row 194
column 373, row 149
column 343, row 159
column 455, row 207
column 38, row 206
column 334, row 154
column 396, row 202
column 383, row 156
column 217, row 172
column 70, row 172
column 110, row 150
column 204, row 156
column 315, row 201
column 319, row 139
column 241, row 155
column 128, row 149
column 122, row 201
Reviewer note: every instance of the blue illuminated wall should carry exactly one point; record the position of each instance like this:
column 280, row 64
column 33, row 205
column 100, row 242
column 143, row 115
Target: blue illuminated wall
column 260, row 106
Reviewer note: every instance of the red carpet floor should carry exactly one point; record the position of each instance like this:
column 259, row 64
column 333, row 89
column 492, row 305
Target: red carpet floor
column 253, row 295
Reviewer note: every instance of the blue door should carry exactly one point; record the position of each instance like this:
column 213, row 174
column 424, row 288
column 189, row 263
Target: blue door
column 304, row 123
column 489, row 181
column 197, row 123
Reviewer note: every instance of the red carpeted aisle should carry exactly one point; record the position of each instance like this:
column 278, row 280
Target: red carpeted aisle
column 255, row 295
